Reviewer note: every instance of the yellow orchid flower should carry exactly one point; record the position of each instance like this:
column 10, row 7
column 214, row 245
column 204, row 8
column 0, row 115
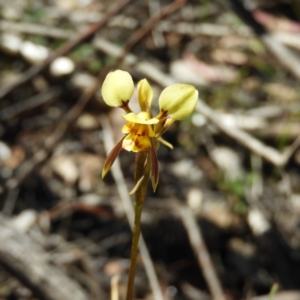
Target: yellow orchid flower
column 142, row 131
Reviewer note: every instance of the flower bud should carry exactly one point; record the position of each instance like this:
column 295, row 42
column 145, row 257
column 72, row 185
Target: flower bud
column 117, row 88
column 178, row 100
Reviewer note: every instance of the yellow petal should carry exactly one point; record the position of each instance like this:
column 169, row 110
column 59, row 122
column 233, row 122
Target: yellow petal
column 117, row 88
column 136, row 143
column 126, row 128
column 145, row 94
column 128, row 142
column 178, row 100
column 141, row 144
column 151, row 133
column 163, row 141
column 141, row 118
column 138, row 129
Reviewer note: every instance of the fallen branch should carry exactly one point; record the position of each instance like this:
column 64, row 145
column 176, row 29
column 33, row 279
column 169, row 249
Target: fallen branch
column 199, row 247
column 285, row 56
column 268, row 153
column 37, row 29
column 26, row 260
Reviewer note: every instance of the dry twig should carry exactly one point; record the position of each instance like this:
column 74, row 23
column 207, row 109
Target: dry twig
column 268, row 153
column 66, row 48
column 148, row 26
column 158, row 37
column 26, row 105
column 199, row 247
column 284, row 55
column 28, row 262
column 281, row 295
column 38, row 29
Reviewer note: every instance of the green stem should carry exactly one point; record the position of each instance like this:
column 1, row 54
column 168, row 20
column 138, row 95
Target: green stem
column 142, row 168
column 134, row 250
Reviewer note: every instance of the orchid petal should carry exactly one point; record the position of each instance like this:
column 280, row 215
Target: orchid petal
column 117, row 88
column 163, row 141
column 178, row 100
column 145, row 94
column 141, row 118
column 112, row 157
column 136, row 143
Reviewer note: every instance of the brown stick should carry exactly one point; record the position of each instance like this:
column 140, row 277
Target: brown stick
column 150, row 24
column 37, row 29
column 285, row 56
column 65, row 49
column 199, row 247
column 268, row 153
column 146, row 28
column 24, row 258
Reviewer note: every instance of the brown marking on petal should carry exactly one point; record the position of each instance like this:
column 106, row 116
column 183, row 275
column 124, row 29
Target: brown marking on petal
column 125, row 106
column 137, row 132
column 138, row 144
column 141, row 146
column 142, row 130
column 163, row 114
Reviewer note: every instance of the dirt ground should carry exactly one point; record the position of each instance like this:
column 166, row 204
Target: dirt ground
column 224, row 222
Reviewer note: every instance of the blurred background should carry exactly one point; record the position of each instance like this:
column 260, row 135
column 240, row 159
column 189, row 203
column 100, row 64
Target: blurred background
column 225, row 220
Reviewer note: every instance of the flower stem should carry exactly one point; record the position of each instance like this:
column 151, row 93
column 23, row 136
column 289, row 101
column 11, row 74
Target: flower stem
column 134, row 250
column 142, row 168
